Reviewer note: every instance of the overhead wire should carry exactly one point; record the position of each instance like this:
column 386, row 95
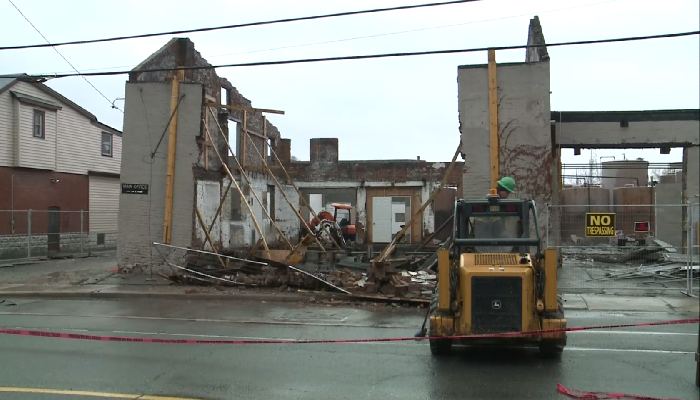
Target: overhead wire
column 380, row 34
column 63, row 57
column 243, row 25
column 373, row 56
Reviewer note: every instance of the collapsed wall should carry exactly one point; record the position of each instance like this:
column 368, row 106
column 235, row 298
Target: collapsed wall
column 200, row 178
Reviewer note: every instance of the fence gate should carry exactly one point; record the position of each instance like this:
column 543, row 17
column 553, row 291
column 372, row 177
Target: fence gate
column 625, row 247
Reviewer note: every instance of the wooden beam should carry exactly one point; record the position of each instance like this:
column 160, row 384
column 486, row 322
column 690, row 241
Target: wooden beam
column 244, row 136
column 385, row 253
column 208, row 236
column 244, row 108
column 264, row 118
column 284, row 195
column 240, row 191
column 493, row 118
column 301, row 196
column 172, row 147
column 252, row 190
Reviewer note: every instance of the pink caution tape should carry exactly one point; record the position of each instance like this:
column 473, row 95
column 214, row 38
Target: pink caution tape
column 586, row 395
column 59, row 335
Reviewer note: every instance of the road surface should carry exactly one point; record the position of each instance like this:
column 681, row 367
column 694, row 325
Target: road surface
column 652, row 361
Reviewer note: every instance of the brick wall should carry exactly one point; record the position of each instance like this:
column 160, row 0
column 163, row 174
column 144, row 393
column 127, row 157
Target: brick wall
column 34, row 190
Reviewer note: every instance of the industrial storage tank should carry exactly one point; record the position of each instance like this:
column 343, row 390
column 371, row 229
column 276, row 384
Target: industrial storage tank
column 633, row 204
column 577, row 201
column 615, row 174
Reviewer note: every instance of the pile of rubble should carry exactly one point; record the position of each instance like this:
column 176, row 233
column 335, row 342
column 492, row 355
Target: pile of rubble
column 400, row 284
column 406, row 286
column 657, row 260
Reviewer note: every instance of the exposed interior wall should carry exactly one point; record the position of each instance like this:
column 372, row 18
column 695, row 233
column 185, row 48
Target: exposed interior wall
column 147, row 111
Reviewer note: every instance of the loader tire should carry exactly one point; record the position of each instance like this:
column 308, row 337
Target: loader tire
column 554, row 348
column 438, row 347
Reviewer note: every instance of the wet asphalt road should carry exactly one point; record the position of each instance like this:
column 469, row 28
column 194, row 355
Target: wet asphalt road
column 652, row 361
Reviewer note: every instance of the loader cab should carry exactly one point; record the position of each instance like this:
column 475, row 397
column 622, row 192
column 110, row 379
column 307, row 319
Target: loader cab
column 489, row 222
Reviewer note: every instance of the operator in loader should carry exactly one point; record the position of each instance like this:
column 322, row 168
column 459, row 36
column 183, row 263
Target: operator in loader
column 505, row 187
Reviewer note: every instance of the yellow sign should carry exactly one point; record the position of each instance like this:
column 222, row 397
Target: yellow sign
column 600, row 224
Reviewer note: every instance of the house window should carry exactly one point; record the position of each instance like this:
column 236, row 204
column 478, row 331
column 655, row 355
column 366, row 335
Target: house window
column 39, row 125
column 107, row 144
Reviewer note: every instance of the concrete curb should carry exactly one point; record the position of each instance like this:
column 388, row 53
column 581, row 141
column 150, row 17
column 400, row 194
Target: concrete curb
column 281, row 298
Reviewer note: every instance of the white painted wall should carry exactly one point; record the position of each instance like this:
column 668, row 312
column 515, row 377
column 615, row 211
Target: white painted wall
column 208, row 196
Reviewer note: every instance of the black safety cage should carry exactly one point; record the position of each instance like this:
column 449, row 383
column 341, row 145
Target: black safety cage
column 464, row 240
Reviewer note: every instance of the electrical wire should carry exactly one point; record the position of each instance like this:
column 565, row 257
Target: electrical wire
column 370, row 56
column 64, row 58
column 411, row 30
column 378, row 34
column 260, row 23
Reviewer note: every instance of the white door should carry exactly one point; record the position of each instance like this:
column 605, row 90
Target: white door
column 381, row 219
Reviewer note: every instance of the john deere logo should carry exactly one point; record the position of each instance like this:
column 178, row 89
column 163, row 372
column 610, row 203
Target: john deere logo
column 496, row 304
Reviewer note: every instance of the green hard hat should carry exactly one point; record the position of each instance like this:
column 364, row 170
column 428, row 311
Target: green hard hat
column 507, row 183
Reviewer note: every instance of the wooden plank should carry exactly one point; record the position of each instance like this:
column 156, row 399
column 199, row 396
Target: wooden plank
column 284, row 195
column 252, row 190
column 301, row 196
column 244, row 108
column 172, row 147
column 206, row 233
column 385, row 253
column 240, row 191
column 244, row 136
column 493, row 118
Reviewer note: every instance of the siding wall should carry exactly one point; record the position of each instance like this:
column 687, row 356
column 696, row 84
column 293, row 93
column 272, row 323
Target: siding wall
column 6, row 131
column 104, row 204
column 72, row 144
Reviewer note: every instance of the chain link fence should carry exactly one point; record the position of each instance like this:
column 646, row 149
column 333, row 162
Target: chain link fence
column 694, row 245
column 32, row 234
column 630, row 247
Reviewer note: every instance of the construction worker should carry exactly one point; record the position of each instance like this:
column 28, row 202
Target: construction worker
column 505, row 187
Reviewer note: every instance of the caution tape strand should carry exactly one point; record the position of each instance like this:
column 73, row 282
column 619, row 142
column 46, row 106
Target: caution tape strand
column 586, row 395
column 61, row 335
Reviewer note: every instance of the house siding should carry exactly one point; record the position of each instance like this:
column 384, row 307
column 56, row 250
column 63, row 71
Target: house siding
column 6, row 130
column 37, row 152
column 72, row 143
column 104, row 204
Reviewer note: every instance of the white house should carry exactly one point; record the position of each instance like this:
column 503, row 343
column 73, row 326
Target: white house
column 57, row 160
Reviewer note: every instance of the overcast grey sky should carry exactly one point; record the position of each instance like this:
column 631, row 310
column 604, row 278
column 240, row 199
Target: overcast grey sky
column 383, row 108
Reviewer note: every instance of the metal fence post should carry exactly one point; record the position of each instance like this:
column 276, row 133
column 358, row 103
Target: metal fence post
column 29, row 234
column 81, row 231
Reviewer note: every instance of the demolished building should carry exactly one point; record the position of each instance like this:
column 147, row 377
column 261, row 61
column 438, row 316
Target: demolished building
column 203, row 169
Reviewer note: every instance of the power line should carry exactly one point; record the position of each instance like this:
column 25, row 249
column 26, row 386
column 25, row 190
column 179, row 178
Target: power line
column 411, row 30
column 215, row 28
column 383, row 34
column 371, row 56
column 64, row 58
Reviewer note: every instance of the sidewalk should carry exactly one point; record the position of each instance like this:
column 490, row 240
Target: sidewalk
column 96, row 278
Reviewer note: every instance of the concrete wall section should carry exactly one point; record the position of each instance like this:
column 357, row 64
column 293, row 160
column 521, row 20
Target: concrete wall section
column 524, row 131
column 141, row 216
column 623, row 133
column 474, row 125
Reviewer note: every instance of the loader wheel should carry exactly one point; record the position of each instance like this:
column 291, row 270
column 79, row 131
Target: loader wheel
column 554, row 348
column 438, row 347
